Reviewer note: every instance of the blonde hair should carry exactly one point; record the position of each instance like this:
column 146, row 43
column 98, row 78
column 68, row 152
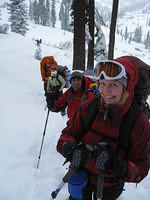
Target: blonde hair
column 124, row 96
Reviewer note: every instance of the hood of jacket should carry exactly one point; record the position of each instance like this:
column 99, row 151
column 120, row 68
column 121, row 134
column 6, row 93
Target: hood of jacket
column 131, row 68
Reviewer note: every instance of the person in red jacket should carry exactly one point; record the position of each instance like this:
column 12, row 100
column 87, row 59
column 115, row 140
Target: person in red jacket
column 74, row 97
column 117, row 81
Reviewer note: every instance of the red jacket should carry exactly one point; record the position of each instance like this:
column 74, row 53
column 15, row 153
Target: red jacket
column 73, row 100
column 138, row 157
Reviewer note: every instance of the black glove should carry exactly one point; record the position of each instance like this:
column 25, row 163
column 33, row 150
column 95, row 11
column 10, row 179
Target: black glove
column 119, row 168
column 106, row 160
column 104, row 155
column 80, row 157
column 67, row 150
column 77, row 154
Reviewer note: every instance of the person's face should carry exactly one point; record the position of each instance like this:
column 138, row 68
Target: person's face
column 111, row 91
column 76, row 84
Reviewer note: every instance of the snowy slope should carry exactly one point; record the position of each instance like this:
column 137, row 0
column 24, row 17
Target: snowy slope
column 22, row 123
column 135, row 19
column 23, row 117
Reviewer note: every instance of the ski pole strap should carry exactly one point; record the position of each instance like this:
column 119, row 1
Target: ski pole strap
column 100, row 185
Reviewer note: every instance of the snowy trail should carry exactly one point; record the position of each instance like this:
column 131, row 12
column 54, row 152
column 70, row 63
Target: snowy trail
column 22, row 120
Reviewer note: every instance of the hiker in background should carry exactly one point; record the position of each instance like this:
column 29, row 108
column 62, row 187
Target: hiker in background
column 45, row 66
column 55, row 86
column 38, row 42
column 74, row 97
column 38, row 51
column 100, row 149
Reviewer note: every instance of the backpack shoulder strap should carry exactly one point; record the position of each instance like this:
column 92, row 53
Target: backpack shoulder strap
column 83, row 98
column 92, row 112
column 124, row 140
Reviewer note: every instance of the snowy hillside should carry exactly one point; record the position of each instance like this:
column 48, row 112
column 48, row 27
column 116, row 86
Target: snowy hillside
column 22, row 116
column 22, row 122
column 135, row 19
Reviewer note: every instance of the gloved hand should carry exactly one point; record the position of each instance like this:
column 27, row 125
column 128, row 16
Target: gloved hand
column 104, row 155
column 67, row 150
column 119, row 168
column 106, row 160
column 77, row 154
column 52, row 92
column 81, row 156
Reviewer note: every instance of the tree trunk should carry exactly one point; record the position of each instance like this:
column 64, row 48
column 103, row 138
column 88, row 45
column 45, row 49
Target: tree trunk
column 112, row 29
column 79, row 35
column 90, row 61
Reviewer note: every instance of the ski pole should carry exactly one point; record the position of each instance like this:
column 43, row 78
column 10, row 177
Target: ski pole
column 65, row 179
column 42, row 139
column 100, row 163
column 100, row 185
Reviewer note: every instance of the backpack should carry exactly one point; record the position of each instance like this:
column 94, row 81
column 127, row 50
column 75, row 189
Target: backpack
column 65, row 73
column 142, row 89
column 139, row 104
column 45, row 69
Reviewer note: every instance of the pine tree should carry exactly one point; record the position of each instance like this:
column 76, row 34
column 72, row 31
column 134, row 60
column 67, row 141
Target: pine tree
column 91, row 14
column 112, row 29
column 36, row 15
column 41, row 11
column 18, row 16
column 72, row 15
column 0, row 14
column 138, row 34
column 64, row 14
column 100, row 51
column 147, row 41
column 100, row 46
column 47, row 17
column 79, row 35
column 53, row 13
column 130, row 38
column 126, row 34
column 31, row 10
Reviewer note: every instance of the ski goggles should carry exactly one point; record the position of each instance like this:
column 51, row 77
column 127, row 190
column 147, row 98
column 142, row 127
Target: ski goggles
column 110, row 70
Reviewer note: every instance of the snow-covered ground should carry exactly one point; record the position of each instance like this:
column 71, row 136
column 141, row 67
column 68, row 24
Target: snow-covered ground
column 22, row 117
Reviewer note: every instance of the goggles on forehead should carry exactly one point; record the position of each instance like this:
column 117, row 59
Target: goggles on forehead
column 110, row 70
